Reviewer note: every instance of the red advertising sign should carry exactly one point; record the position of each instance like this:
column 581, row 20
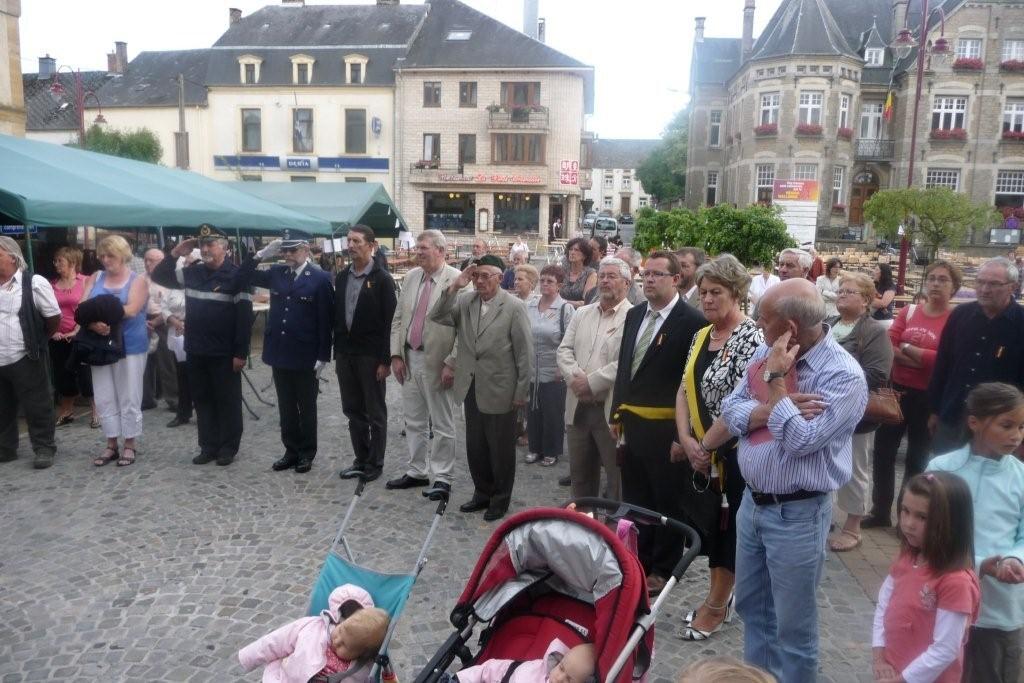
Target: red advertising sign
column 795, row 191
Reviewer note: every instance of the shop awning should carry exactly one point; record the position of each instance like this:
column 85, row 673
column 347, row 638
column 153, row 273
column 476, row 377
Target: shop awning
column 342, row 204
column 50, row 185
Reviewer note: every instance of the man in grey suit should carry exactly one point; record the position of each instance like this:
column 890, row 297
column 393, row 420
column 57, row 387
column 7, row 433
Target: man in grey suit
column 495, row 345
column 420, row 350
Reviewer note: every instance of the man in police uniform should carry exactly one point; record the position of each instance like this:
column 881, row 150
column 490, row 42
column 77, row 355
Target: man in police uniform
column 297, row 340
column 218, row 308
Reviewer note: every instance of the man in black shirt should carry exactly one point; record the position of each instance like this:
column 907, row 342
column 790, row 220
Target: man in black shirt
column 983, row 341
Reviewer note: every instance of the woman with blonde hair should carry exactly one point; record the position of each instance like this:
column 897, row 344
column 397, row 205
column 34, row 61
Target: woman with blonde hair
column 117, row 388
column 525, row 282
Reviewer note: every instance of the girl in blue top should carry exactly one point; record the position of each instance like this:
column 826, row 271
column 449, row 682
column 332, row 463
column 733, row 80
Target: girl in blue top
column 995, row 416
column 117, row 388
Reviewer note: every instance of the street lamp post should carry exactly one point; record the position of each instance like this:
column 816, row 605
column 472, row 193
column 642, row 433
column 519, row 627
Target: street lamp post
column 79, row 96
column 903, row 45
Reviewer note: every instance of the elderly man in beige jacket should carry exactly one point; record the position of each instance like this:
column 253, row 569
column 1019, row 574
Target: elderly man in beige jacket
column 420, row 351
column 589, row 358
column 495, row 345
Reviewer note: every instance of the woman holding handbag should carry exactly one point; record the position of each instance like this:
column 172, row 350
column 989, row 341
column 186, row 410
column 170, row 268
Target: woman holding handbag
column 717, row 359
column 866, row 340
column 914, row 337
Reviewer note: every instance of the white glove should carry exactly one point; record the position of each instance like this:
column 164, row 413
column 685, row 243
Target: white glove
column 269, row 251
column 318, row 368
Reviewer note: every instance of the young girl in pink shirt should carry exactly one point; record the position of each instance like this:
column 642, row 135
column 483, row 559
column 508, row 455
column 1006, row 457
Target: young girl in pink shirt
column 931, row 596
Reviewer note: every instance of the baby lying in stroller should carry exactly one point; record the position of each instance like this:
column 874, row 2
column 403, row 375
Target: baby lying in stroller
column 559, row 665
column 337, row 645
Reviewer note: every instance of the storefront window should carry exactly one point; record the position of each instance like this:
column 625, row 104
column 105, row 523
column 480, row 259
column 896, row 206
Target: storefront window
column 449, row 211
column 516, row 212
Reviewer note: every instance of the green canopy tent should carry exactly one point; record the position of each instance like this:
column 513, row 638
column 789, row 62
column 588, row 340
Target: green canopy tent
column 343, row 204
column 52, row 186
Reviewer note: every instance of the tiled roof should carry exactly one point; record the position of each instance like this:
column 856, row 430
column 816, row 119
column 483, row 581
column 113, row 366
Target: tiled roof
column 329, row 68
column 342, row 26
column 802, row 27
column 46, row 111
column 610, row 153
column 151, row 80
column 715, row 60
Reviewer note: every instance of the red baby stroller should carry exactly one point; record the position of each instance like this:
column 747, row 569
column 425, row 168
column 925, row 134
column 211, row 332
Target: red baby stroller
column 555, row 573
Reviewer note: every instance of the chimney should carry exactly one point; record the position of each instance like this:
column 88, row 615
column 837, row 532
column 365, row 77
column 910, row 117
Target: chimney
column 111, row 63
column 899, row 15
column 234, row 15
column 121, row 49
column 542, row 30
column 699, row 30
column 530, row 18
column 748, row 28
column 47, row 67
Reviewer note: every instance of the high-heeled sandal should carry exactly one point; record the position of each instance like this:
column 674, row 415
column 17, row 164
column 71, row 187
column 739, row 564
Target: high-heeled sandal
column 109, row 455
column 125, row 460
column 695, row 634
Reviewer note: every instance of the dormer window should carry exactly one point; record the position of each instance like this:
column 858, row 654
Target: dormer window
column 874, row 56
column 355, row 69
column 302, row 69
column 249, row 69
column 459, row 34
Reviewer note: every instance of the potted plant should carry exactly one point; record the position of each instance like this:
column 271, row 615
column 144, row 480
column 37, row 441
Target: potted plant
column 1012, row 65
column 845, row 133
column 808, row 129
column 839, row 208
column 1013, row 135
column 766, row 129
column 493, row 108
column 968, row 64
column 949, row 134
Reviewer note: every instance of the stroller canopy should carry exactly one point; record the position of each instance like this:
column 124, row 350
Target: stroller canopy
column 574, row 555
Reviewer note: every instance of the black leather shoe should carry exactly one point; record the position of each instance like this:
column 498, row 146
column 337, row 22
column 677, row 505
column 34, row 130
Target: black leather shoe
column 285, row 463
column 351, row 472
column 406, row 482
column 439, row 491
column 565, row 481
column 204, row 458
column 225, row 459
column 371, row 475
column 304, row 465
column 177, row 422
column 493, row 514
column 474, row 505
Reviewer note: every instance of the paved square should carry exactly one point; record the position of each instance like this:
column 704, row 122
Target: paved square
column 163, row 570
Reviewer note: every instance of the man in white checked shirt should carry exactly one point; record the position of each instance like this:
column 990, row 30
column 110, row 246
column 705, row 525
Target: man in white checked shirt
column 794, row 412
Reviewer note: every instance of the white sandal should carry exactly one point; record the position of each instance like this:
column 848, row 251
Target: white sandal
column 690, row 633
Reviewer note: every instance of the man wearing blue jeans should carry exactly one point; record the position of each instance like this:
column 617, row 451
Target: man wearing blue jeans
column 794, row 413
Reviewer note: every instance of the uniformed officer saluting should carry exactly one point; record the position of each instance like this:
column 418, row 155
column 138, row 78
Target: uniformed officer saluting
column 297, row 341
column 218, row 308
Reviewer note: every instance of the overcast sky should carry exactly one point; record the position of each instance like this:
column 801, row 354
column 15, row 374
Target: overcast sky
column 640, row 49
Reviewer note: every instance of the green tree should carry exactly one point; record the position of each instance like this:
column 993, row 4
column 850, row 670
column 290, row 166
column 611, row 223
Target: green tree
column 754, row 234
column 140, row 144
column 937, row 217
column 663, row 172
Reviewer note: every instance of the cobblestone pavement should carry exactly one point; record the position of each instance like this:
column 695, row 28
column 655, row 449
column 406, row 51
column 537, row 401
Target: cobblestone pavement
column 163, row 570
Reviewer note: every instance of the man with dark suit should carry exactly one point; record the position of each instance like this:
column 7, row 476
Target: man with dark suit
column 297, row 341
column 494, row 345
column 690, row 259
column 655, row 340
column 365, row 301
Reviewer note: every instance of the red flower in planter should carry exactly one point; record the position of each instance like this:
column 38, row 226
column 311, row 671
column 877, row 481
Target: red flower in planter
column 808, row 129
column 969, row 64
column 1013, row 135
column 1012, row 65
column 1007, row 211
column 949, row 134
column 845, row 133
column 1018, row 212
column 767, row 129
column 839, row 208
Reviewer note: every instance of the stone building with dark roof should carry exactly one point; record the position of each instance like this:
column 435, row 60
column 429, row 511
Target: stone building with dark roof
column 616, row 187
column 805, row 100
column 51, row 103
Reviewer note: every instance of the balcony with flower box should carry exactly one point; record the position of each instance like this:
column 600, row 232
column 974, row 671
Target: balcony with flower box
column 844, row 133
column 809, row 130
column 839, row 209
column 948, row 134
column 767, row 130
column 1012, row 65
column 871, row 149
column 1013, row 136
column 968, row 64
column 517, row 117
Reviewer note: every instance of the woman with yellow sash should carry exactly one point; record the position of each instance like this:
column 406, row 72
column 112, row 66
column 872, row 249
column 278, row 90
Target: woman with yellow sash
column 716, row 362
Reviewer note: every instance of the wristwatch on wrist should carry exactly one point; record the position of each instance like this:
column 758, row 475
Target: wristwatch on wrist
column 769, row 376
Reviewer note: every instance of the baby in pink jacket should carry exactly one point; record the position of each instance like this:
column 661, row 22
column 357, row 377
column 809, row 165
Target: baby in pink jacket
column 559, row 665
column 343, row 639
